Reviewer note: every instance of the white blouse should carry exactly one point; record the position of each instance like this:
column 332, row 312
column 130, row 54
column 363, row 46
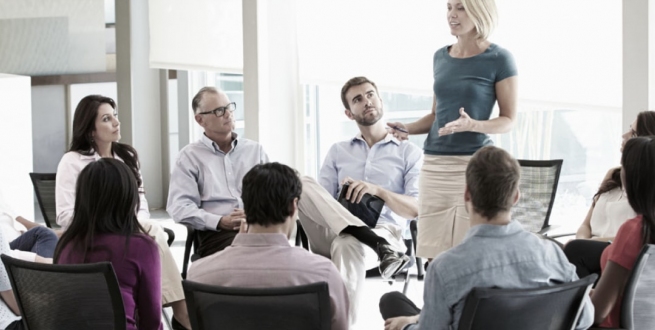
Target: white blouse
column 69, row 169
column 611, row 211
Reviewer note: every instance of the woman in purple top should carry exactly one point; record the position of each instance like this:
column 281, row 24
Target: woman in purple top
column 105, row 228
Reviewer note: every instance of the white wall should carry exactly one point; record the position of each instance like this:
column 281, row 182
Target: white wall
column 48, row 127
column 16, row 143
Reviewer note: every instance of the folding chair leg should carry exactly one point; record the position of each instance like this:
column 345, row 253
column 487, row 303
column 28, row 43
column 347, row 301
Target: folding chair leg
column 406, row 286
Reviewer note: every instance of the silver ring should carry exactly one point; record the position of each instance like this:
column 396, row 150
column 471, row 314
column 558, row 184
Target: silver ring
column 452, row 131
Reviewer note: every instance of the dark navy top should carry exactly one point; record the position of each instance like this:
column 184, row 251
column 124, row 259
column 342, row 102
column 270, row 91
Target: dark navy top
column 469, row 83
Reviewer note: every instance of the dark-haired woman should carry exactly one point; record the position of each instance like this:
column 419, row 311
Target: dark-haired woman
column 96, row 131
column 105, row 228
column 618, row 259
column 608, row 212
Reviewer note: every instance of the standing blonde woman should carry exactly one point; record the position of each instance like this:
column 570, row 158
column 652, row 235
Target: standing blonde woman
column 470, row 76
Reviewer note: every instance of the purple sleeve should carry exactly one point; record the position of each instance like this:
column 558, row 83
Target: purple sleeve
column 149, row 291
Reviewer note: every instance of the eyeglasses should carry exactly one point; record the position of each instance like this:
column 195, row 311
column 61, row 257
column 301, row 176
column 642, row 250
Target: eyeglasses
column 220, row 111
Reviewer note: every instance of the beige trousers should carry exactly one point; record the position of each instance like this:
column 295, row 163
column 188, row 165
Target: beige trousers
column 323, row 219
column 442, row 218
column 171, row 280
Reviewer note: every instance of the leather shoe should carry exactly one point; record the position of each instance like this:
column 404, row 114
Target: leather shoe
column 390, row 261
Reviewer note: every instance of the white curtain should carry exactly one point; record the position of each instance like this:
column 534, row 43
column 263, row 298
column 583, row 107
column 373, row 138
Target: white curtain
column 196, row 35
column 52, row 37
column 566, row 51
column 391, row 42
column 569, row 52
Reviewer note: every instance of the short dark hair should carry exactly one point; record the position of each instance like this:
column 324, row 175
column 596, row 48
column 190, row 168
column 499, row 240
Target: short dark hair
column 351, row 83
column 106, row 200
column 268, row 193
column 492, row 177
column 638, row 161
column 197, row 99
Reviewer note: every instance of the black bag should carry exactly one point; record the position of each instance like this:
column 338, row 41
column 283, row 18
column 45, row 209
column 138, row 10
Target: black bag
column 368, row 209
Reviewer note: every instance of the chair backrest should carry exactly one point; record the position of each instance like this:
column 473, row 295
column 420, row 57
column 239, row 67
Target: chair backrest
column 547, row 308
column 538, row 185
column 44, row 187
column 85, row 296
column 288, row 308
column 638, row 306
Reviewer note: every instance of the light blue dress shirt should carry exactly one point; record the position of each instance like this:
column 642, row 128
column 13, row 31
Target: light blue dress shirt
column 390, row 164
column 206, row 182
column 506, row 257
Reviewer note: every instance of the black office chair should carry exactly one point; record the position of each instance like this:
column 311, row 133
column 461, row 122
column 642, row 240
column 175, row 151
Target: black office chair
column 413, row 229
column 192, row 242
column 288, row 308
column 638, row 304
column 44, row 188
column 538, row 186
column 545, row 308
column 85, row 296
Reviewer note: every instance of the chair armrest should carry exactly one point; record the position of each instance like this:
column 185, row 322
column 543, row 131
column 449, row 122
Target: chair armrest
column 546, row 229
column 413, row 230
column 561, row 235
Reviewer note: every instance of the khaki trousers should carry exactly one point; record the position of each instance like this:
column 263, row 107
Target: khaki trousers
column 323, row 219
column 442, row 218
column 171, row 280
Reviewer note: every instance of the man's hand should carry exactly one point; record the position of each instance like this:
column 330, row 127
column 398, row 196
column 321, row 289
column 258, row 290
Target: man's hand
column 232, row 221
column 398, row 130
column 397, row 323
column 357, row 189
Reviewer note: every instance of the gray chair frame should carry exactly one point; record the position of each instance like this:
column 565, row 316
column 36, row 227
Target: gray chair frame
column 104, row 268
column 557, row 164
column 37, row 179
column 483, row 308
column 638, row 305
column 192, row 289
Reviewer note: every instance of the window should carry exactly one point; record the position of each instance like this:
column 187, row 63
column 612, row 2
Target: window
column 327, row 124
column 570, row 88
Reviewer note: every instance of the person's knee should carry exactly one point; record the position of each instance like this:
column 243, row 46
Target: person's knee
column 307, row 179
column 43, row 232
column 571, row 248
column 347, row 245
column 389, row 303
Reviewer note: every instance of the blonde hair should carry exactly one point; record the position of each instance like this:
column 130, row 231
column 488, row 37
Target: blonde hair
column 484, row 15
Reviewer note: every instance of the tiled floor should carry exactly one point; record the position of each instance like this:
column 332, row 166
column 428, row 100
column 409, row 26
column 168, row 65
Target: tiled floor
column 369, row 314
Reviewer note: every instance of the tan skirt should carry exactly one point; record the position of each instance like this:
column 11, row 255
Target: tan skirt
column 442, row 220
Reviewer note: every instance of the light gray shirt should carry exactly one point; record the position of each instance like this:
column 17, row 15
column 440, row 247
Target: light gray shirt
column 206, row 182
column 268, row 261
column 390, row 164
column 506, row 257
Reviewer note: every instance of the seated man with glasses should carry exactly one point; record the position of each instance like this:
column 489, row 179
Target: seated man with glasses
column 205, row 186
